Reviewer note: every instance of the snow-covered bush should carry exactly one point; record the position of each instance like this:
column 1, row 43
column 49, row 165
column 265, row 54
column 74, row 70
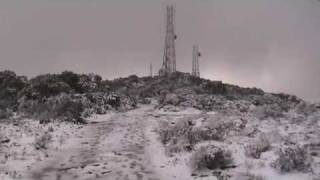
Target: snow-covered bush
column 211, row 157
column 127, row 102
column 217, row 132
column 212, row 133
column 255, row 148
column 179, row 137
column 220, row 126
column 184, row 134
column 43, row 141
column 292, row 158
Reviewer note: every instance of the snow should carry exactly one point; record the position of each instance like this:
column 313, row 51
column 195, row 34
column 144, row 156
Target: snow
column 126, row 144
column 271, row 174
column 186, row 111
column 167, row 168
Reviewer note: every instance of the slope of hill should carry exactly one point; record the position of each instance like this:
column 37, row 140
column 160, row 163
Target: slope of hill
column 188, row 128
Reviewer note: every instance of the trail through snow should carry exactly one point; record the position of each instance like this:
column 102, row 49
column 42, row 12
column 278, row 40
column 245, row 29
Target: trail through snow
column 120, row 146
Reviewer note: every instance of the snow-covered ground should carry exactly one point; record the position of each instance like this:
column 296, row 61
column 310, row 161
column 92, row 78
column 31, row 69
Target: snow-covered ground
column 112, row 146
column 126, row 146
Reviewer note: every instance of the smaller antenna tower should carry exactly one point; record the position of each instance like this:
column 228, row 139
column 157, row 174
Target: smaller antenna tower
column 195, row 61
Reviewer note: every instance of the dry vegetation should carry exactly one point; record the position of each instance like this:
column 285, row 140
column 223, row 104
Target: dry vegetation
column 243, row 115
column 293, row 158
column 256, row 147
column 211, row 157
column 42, row 141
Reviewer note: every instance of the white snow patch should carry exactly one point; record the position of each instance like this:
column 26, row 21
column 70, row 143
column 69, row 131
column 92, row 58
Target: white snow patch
column 187, row 111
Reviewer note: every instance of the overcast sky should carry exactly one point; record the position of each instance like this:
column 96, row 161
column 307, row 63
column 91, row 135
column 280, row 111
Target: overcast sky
column 270, row 44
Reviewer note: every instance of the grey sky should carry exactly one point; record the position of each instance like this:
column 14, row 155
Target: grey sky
column 270, row 44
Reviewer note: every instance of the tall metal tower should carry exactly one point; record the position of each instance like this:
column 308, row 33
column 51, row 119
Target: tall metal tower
column 195, row 61
column 169, row 55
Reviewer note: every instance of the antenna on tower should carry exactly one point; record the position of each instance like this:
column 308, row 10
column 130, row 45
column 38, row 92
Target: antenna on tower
column 195, row 61
column 169, row 55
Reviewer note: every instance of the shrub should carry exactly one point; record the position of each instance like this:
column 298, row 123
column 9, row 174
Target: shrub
column 216, row 132
column 128, row 103
column 45, row 86
column 68, row 109
column 114, row 100
column 181, row 136
column 255, row 148
column 211, row 157
column 220, row 125
column 10, row 85
column 292, row 158
column 62, row 107
column 91, row 83
column 184, row 135
column 49, row 85
column 97, row 102
column 72, row 79
column 42, row 142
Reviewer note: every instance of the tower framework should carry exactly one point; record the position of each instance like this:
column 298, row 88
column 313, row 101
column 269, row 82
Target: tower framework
column 169, row 55
column 195, row 61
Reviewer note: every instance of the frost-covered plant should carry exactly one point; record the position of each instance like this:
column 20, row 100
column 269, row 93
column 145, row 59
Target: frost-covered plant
column 216, row 131
column 181, row 136
column 184, row 134
column 211, row 157
column 292, row 158
column 220, row 126
column 257, row 147
column 43, row 141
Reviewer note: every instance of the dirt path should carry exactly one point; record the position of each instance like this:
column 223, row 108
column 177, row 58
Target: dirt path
column 109, row 148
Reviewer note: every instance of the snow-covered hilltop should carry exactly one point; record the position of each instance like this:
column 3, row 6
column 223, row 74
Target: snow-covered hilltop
column 77, row 126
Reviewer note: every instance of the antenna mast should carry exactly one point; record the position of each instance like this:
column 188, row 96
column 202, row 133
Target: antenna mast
column 169, row 55
column 195, row 61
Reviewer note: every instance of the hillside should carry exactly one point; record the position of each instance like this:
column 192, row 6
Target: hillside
column 89, row 94
column 78, row 126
